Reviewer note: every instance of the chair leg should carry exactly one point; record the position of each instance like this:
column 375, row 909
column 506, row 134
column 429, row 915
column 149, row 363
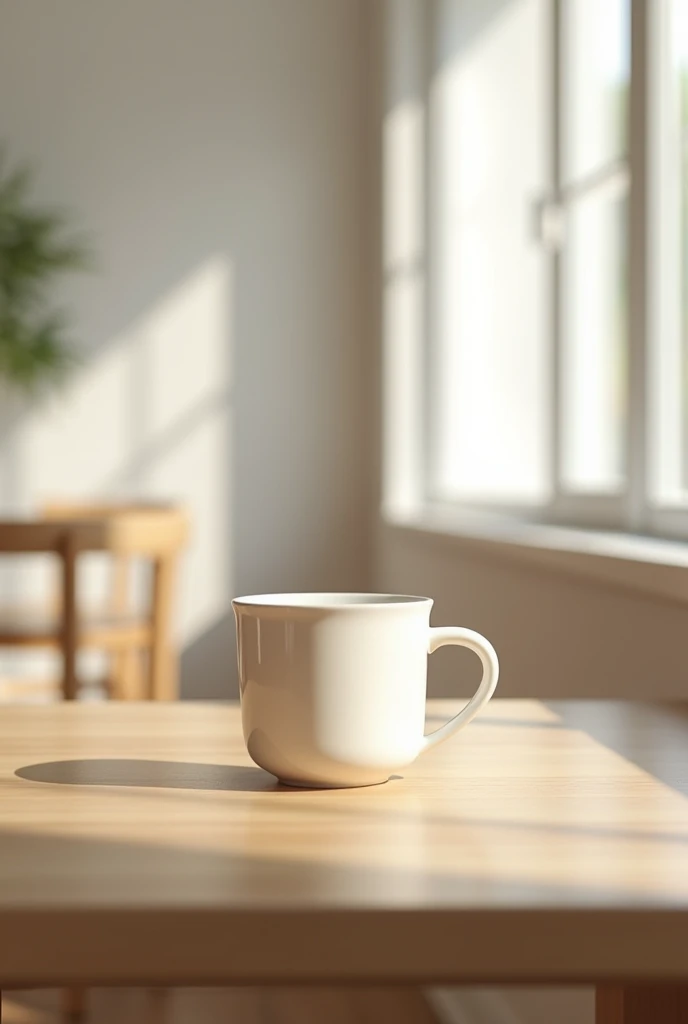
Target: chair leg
column 69, row 619
column 73, row 1004
column 158, row 1004
column 127, row 675
column 163, row 684
column 164, row 673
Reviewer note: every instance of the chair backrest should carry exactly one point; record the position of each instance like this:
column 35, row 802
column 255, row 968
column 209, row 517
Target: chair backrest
column 49, row 536
column 127, row 533
column 145, row 530
column 64, row 539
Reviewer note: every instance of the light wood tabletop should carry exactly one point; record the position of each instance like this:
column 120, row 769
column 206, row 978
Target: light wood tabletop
column 546, row 843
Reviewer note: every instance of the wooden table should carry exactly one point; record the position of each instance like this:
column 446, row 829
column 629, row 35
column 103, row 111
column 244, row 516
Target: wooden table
column 548, row 843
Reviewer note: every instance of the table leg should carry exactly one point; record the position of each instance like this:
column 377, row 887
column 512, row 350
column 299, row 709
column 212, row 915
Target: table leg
column 641, row 1004
column 73, row 1004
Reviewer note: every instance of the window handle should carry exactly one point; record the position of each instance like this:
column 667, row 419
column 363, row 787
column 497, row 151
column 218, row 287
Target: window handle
column 549, row 223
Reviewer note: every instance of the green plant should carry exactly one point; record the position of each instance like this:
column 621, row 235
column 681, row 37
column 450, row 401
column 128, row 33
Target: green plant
column 36, row 247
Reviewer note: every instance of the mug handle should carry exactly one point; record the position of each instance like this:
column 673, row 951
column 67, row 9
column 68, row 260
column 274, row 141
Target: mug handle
column 460, row 637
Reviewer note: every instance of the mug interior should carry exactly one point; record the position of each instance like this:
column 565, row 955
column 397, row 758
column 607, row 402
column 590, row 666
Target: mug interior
column 328, row 600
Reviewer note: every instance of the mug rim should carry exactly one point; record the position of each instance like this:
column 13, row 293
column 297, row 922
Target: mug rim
column 329, row 601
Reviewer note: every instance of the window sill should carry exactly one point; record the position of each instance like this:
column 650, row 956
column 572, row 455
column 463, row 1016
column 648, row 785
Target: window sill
column 654, row 566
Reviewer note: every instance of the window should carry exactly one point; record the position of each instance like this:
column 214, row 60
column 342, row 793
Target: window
column 669, row 356
column 536, row 259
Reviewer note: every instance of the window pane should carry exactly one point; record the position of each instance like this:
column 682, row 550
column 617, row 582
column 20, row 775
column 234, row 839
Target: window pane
column 489, row 391
column 681, row 71
column 593, row 365
column 669, row 408
column 595, row 47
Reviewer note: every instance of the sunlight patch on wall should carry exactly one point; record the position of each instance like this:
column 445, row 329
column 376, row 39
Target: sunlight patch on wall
column 197, row 470
column 403, row 185
column 403, row 254
column 65, row 446
column 183, row 352
column 402, row 356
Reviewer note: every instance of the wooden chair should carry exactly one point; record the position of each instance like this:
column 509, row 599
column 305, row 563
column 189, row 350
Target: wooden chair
column 153, row 533
column 139, row 646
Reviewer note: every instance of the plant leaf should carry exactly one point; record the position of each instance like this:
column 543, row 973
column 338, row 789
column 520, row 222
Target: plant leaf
column 36, row 247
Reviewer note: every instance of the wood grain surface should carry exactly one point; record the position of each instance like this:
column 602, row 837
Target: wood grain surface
column 545, row 843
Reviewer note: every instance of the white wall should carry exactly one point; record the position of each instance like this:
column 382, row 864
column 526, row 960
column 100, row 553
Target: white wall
column 213, row 151
column 557, row 635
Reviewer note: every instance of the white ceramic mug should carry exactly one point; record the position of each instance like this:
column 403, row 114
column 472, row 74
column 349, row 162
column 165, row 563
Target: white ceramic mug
column 333, row 686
